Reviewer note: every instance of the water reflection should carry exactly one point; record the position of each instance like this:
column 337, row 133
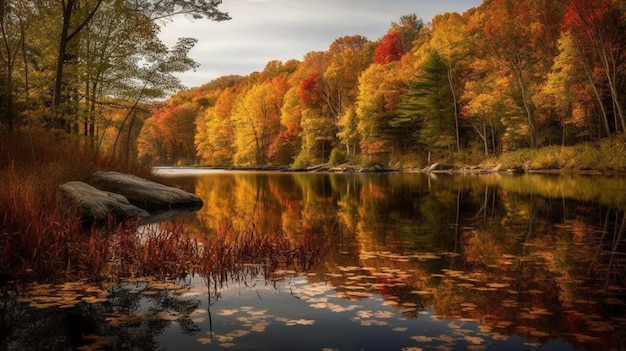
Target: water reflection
column 411, row 261
column 540, row 256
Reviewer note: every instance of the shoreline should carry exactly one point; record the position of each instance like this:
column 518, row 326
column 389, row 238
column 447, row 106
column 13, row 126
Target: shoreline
column 435, row 168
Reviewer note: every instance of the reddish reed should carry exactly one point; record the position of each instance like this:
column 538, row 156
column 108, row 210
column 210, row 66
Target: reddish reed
column 40, row 240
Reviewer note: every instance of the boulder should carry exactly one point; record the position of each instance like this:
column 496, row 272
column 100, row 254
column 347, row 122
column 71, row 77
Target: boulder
column 94, row 205
column 144, row 193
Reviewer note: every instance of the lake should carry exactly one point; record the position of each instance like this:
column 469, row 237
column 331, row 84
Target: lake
column 398, row 261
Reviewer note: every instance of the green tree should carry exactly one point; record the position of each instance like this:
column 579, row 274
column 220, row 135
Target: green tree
column 429, row 105
column 14, row 19
column 90, row 46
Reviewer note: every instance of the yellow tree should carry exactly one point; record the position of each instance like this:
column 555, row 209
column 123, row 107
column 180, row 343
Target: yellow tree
column 287, row 144
column 380, row 92
column 317, row 121
column 349, row 57
column 256, row 120
column 215, row 135
column 518, row 39
column 483, row 106
column 569, row 93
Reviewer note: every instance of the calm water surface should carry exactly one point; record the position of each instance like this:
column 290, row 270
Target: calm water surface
column 410, row 262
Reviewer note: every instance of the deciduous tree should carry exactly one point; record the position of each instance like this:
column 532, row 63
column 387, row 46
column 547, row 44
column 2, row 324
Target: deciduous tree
column 597, row 30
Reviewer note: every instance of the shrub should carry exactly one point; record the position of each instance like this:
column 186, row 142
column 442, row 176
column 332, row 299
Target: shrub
column 301, row 161
column 337, row 157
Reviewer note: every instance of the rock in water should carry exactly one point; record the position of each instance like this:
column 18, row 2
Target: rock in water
column 144, row 193
column 95, row 205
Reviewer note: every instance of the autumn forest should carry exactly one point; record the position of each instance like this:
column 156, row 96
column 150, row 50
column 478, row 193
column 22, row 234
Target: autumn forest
column 504, row 76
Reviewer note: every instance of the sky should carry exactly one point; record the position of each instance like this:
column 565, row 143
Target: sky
column 261, row 31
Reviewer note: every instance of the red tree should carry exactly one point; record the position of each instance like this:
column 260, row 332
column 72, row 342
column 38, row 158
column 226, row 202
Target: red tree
column 390, row 48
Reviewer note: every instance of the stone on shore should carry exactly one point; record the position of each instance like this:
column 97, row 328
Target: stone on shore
column 144, row 193
column 94, row 205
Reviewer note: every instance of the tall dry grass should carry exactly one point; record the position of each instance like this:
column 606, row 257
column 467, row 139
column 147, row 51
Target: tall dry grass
column 41, row 240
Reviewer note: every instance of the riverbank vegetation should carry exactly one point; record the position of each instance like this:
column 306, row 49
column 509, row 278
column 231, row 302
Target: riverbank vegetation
column 39, row 237
column 42, row 240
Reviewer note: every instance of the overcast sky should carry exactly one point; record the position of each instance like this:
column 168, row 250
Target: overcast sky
column 264, row 30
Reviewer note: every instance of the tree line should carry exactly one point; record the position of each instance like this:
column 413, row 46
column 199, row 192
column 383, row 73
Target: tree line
column 505, row 75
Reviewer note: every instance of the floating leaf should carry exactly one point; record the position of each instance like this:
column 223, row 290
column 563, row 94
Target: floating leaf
column 301, row 321
column 204, row 341
column 474, row 339
column 539, row 334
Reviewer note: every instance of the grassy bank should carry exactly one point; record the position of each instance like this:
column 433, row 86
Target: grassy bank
column 604, row 156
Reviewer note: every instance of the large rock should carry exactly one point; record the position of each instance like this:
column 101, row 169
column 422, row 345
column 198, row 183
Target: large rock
column 95, row 205
column 144, row 193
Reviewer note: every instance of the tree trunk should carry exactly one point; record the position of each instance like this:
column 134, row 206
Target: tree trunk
column 69, row 6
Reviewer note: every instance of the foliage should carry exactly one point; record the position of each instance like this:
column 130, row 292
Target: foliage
column 390, row 48
column 500, row 77
column 504, row 76
column 337, row 157
column 70, row 65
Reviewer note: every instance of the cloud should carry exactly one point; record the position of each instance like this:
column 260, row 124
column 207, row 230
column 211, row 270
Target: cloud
column 264, row 30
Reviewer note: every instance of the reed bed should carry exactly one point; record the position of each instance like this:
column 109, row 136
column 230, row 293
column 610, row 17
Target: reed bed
column 39, row 238
column 166, row 251
column 42, row 241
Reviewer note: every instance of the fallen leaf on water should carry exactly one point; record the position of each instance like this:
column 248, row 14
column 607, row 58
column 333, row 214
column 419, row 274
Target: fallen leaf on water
column 474, row 339
column 299, row 322
column 539, row 333
column 204, row 341
column 422, row 338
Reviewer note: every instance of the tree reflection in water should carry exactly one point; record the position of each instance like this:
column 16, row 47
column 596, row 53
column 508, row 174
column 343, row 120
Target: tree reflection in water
column 408, row 260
